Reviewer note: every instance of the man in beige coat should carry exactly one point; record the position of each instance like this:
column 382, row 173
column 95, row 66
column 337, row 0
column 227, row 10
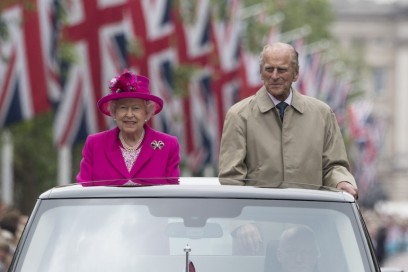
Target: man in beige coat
column 304, row 147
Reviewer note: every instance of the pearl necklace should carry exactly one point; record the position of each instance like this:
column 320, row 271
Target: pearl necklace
column 128, row 147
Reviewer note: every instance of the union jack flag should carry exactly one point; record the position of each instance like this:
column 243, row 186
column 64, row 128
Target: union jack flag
column 195, row 35
column 367, row 132
column 154, row 29
column 227, row 44
column 161, row 71
column 216, row 80
column 195, row 49
column 205, row 125
column 22, row 88
column 249, row 73
column 308, row 75
column 75, row 93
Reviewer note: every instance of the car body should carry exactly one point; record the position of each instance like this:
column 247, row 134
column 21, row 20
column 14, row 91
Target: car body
column 191, row 226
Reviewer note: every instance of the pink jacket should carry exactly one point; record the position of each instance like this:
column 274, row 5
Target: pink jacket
column 102, row 159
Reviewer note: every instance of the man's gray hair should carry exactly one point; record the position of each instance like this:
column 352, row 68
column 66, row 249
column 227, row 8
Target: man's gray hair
column 295, row 54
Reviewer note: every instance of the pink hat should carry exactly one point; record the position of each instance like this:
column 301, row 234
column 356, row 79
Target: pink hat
column 129, row 85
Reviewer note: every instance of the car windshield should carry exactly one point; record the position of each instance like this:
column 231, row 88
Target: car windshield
column 165, row 234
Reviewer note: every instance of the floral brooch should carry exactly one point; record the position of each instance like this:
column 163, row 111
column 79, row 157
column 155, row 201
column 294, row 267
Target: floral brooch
column 157, row 144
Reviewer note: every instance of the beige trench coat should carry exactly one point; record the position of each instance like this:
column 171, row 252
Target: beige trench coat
column 307, row 147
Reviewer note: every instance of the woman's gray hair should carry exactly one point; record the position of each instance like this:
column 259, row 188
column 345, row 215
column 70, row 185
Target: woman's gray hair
column 150, row 108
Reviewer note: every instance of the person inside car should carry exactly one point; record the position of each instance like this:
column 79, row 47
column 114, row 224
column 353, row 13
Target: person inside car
column 297, row 250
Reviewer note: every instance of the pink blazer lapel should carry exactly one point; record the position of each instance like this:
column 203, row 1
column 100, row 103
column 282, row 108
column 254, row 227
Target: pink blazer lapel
column 113, row 153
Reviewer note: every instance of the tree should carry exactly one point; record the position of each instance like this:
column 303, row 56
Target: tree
column 35, row 160
column 315, row 13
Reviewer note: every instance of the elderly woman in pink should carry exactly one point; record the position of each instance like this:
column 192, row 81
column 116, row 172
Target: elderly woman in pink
column 132, row 152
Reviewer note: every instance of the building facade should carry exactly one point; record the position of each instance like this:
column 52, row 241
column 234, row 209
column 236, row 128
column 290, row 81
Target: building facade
column 380, row 30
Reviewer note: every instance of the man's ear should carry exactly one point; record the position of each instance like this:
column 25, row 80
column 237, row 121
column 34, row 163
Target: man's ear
column 296, row 76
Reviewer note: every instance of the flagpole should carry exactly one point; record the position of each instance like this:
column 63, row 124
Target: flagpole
column 7, row 185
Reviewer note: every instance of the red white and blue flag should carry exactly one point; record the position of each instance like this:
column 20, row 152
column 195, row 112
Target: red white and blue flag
column 95, row 31
column 204, row 126
column 22, row 85
column 368, row 134
column 161, row 73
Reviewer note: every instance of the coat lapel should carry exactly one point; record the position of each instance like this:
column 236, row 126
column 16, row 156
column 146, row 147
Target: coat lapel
column 113, row 153
column 298, row 102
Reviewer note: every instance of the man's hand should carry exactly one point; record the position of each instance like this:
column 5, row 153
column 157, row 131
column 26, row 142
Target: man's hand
column 347, row 187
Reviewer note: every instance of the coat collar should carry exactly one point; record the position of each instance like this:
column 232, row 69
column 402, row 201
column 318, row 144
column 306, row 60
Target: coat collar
column 298, row 101
column 114, row 153
column 265, row 102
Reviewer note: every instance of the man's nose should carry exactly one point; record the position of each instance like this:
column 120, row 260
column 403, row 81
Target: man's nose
column 274, row 73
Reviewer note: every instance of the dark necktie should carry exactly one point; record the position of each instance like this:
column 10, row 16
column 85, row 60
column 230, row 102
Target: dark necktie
column 281, row 107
